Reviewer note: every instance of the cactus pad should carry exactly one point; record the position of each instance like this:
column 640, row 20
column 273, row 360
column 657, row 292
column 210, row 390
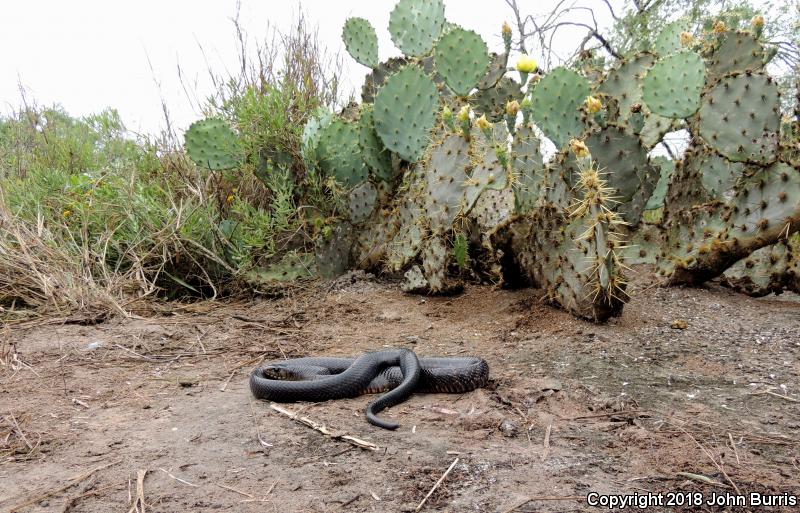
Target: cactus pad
column 740, row 117
column 212, row 144
column 461, row 59
column 669, row 39
column 672, row 87
column 405, row 111
column 736, row 52
column 498, row 66
column 527, row 167
column 361, row 41
column 492, row 102
column 557, row 100
column 446, row 173
column 339, row 154
column 377, row 77
column 375, row 155
column 416, row 24
column 361, row 202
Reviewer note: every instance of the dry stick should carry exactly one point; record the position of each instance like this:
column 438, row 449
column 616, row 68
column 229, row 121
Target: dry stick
column 324, row 430
column 138, row 504
column 72, row 482
column 714, row 461
column 735, row 452
column 234, row 490
column 529, row 499
column 781, row 396
column 19, row 432
column 179, row 479
column 441, row 479
column 599, row 415
column 546, row 451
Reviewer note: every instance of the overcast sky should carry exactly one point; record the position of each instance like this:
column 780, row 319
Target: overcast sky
column 88, row 55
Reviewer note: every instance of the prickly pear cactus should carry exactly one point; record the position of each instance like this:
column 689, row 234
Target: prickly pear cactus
column 212, row 144
column 361, row 41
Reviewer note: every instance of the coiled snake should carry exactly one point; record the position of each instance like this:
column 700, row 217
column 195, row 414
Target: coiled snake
column 398, row 372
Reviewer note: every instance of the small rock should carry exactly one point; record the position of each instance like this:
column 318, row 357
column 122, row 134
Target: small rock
column 91, row 346
column 509, row 428
column 412, row 339
column 390, row 315
column 679, row 324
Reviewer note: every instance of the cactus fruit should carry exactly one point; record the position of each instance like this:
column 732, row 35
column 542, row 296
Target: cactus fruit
column 405, row 111
column 671, row 88
column 212, row 144
column 361, row 41
column 556, row 103
column 740, row 117
column 415, row 25
column 461, row 59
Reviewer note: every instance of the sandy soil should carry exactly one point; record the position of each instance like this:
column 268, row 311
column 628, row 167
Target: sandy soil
column 686, row 391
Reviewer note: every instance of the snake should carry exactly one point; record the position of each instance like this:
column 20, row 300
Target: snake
column 397, row 372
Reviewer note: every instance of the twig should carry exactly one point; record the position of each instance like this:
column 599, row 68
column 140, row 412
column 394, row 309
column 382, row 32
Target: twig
column 19, row 432
column 324, row 430
column 714, row 461
column 234, row 490
column 179, row 479
column 735, row 452
column 701, row 478
column 138, row 505
column 441, row 479
column 781, row 396
column 599, row 415
column 530, row 499
column 71, row 482
column 546, row 451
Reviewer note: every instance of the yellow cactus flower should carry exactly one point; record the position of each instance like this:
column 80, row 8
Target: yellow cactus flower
column 593, row 104
column 512, row 108
column 579, row 148
column 686, row 38
column 463, row 114
column 506, row 29
column 526, row 64
column 719, row 27
column 67, row 213
column 757, row 22
column 483, row 123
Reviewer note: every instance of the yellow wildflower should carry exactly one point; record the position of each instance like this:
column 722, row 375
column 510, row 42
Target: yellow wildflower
column 463, row 114
column 506, row 29
column 230, row 198
column 512, row 108
column 593, row 104
column 67, row 213
column 686, row 38
column 526, row 64
column 579, row 148
column 719, row 27
column 757, row 22
column 483, row 123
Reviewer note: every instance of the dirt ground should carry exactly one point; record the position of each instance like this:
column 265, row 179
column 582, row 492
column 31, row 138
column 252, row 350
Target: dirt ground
column 690, row 389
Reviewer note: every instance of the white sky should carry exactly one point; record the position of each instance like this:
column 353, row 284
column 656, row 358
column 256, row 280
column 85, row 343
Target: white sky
column 91, row 54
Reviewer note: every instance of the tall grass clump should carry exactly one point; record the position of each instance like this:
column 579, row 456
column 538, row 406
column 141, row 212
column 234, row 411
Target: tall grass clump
column 94, row 216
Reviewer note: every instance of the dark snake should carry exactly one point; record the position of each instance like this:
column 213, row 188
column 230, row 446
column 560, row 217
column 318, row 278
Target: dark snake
column 398, row 372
